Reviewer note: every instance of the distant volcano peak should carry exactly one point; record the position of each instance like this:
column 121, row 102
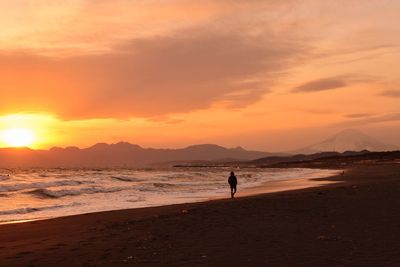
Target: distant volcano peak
column 347, row 140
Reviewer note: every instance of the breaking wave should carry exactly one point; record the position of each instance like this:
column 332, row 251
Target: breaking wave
column 164, row 185
column 4, row 177
column 35, row 209
column 23, row 186
column 127, row 178
column 47, row 193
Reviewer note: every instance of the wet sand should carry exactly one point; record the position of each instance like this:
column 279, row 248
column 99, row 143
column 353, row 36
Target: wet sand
column 353, row 222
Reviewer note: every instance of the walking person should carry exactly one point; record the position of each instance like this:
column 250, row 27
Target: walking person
column 232, row 180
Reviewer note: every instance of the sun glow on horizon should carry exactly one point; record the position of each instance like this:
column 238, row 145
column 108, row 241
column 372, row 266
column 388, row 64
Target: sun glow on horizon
column 19, row 137
column 31, row 130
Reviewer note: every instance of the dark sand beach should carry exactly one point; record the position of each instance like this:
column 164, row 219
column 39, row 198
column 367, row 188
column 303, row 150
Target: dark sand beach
column 355, row 222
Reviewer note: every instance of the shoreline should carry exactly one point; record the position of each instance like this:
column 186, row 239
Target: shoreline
column 338, row 224
column 264, row 188
column 287, row 185
column 281, row 186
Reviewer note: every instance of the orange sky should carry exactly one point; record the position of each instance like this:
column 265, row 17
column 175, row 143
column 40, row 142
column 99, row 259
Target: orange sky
column 272, row 75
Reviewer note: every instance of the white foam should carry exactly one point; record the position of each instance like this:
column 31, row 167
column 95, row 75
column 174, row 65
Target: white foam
column 4, row 177
column 72, row 192
column 35, row 209
column 23, row 186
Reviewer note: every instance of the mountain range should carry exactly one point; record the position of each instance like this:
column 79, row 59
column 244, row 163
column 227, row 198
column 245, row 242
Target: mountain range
column 121, row 154
column 124, row 154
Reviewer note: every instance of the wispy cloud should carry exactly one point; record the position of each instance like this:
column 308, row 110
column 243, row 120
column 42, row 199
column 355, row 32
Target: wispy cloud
column 332, row 83
column 359, row 115
column 391, row 93
column 390, row 117
column 320, row 85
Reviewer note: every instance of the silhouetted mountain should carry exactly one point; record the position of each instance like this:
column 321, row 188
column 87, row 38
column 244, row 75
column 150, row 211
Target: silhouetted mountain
column 347, row 140
column 303, row 158
column 121, row 155
column 335, row 160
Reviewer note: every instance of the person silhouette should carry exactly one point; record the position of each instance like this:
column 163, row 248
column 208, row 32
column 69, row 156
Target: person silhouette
column 232, row 180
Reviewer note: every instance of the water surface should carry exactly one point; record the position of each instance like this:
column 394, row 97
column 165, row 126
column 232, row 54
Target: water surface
column 27, row 194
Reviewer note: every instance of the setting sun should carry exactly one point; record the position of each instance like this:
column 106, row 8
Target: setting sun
column 19, row 137
column 33, row 130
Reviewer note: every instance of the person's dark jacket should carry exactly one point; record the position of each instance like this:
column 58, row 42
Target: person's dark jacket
column 232, row 180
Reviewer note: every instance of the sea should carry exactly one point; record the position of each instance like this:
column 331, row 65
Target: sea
column 31, row 194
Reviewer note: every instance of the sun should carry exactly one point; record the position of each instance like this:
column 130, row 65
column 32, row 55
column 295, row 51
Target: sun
column 19, row 137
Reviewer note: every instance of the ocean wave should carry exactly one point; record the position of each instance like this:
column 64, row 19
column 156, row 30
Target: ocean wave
column 23, row 186
column 137, row 199
column 35, row 209
column 4, row 177
column 156, row 187
column 164, row 185
column 183, row 175
column 199, row 174
column 127, row 178
column 47, row 193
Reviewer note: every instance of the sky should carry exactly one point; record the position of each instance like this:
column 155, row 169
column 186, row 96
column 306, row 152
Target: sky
column 271, row 75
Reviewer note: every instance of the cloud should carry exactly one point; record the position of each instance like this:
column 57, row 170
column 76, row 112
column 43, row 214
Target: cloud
column 358, row 115
column 92, row 27
column 390, row 117
column 314, row 110
column 391, row 93
column 320, row 85
column 333, row 83
column 147, row 77
column 121, row 59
